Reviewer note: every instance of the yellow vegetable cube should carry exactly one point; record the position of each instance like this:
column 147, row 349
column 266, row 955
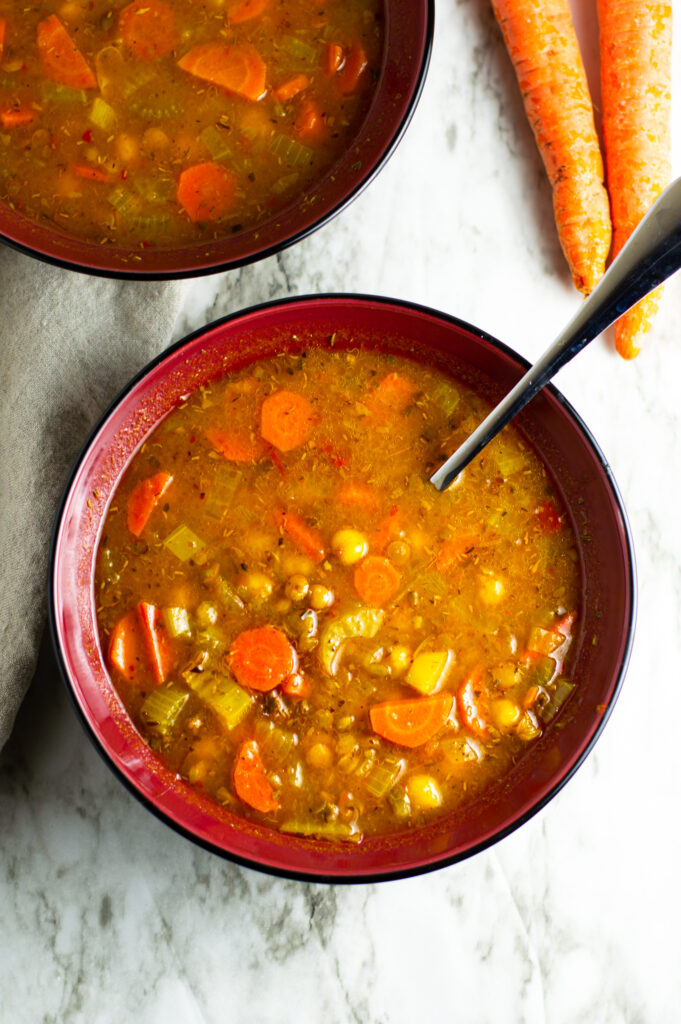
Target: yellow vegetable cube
column 428, row 670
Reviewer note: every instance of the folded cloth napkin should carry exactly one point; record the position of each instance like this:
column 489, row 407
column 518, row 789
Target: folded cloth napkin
column 68, row 343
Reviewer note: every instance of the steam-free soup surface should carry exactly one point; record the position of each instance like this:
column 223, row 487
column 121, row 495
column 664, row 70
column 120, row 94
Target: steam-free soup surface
column 303, row 629
column 162, row 122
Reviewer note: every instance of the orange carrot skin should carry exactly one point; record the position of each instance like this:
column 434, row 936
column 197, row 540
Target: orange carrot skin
column 143, row 498
column 250, row 782
column 542, row 44
column 157, row 641
column 636, row 58
column 16, row 117
column 62, row 60
column 306, row 539
column 126, row 651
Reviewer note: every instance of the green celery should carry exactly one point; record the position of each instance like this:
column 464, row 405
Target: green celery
column 102, row 115
column 163, row 707
column 290, row 151
column 223, row 696
column 183, row 543
column 177, row 622
column 333, row 830
column 384, row 776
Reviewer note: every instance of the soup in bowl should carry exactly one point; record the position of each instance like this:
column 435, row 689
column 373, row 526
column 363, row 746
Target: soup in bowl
column 164, row 139
column 288, row 643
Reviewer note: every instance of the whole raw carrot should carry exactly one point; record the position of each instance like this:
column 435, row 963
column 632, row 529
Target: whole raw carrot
column 635, row 45
column 542, row 44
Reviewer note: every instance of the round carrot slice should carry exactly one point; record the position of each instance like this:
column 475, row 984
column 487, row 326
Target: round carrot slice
column 206, row 191
column 148, row 29
column 262, row 658
column 250, row 782
column 411, row 723
column 376, row 581
column 286, row 420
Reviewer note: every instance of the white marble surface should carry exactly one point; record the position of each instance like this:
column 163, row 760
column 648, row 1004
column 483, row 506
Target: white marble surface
column 108, row 916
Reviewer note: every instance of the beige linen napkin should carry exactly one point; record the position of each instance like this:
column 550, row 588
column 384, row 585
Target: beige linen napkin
column 68, row 343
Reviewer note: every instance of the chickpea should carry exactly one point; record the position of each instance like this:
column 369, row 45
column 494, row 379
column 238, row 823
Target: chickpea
column 155, row 139
column 349, row 546
column 297, row 587
column 207, row 613
column 490, row 589
column 399, row 552
column 293, row 564
column 319, row 755
column 399, row 658
column 321, row 597
column 127, row 148
column 424, row 792
column 505, row 713
column 255, row 586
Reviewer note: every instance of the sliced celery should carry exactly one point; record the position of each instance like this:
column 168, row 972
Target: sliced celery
column 177, row 622
column 52, row 92
column 398, row 798
column 102, row 115
column 548, row 710
column 545, row 641
column 335, row 831
column 183, row 543
column 227, row 595
column 290, row 151
column 216, row 141
column 384, row 776
column 285, row 183
column 300, row 49
column 162, row 708
column 152, row 223
column 225, row 484
column 446, row 395
column 156, row 190
column 509, row 460
column 153, row 105
column 226, row 698
column 123, row 201
column 364, row 622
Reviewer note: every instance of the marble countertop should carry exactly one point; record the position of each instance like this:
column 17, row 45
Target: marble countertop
column 108, row 916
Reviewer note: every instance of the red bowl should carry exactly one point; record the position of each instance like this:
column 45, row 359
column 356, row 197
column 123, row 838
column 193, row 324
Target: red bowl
column 581, row 475
column 408, row 41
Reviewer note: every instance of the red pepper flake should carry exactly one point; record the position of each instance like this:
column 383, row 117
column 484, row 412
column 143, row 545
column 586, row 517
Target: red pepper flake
column 548, row 517
column 54, row 141
column 334, row 456
column 124, row 174
column 87, row 135
column 147, row 245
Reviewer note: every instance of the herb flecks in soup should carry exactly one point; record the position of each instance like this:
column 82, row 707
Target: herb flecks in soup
column 162, row 122
column 303, row 628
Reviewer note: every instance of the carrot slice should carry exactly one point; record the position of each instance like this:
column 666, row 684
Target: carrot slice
column 357, row 494
column 250, row 782
column 468, row 703
column 333, row 58
column 239, row 68
column 455, row 551
column 355, row 65
column 287, row 90
column 393, row 394
column 3, row 29
column 15, row 117
column 127, row 653
column 143, row 498
column 262, row 658
column 376, row 581
column 286, row 420
column 244, row 10
column 388, row 529
column 62, row 60
column 309, row 123
column 156, row 640
column 308, row 540
column 148, row 29
column 91, row 173
column 296, row 685
column 206, row 191
column 410, row 723
column 235, row 446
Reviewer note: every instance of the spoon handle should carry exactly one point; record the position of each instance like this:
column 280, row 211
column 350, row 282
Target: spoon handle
column 651, row 255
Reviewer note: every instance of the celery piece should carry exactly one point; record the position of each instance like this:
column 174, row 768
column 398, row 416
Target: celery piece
column 102, row 115
column 398, row 798
column 227, row 595
column 152, row 223
column 176, row 621
column 183, row 543
column 290, row 151
column 384, row 776
column 162, row 708
column 278, row 744
column 223, row 696
column 285, row 183
column 300, row 49
column 221, row 492
column 153, row 105
column 364, row 622
column 216, row 141
column 431, row 584
column 445, row 395
column 547, row 710
column 542, row 670
column 509, row 460
column 156, row 190
column 123, row 201
column 428, row 670
column 52, row 92
column 335, row 831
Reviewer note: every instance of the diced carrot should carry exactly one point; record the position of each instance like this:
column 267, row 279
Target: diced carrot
column 127, row 651
column 148, row 29
column 376, row 581
column 357, row 494
column 307, row 539
column 244, row 10
column 392, row 396
column 309, row 123
column 530, row 696
column 250, row 782
column 296, row 685
column 15, row 117
column 355, row 65
column 262, row 658
column 388, row 529
column 238, row 447
column 239, row 68
column 3, row 30
column 91, row 173
column 333, row 58
column 206, row 191
column 548, row 517
column 156, row 640
column 143, row 498
column 62, row 60
column 286, row 420
column 287, row 90
column 410, row 723
column 468, row 703
column 455, row 551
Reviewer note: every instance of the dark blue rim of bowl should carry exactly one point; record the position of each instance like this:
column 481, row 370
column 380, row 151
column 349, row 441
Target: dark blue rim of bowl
column 271, row 250
column 386, row 875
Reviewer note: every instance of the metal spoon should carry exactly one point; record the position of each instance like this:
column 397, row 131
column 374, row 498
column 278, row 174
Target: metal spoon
column 650, row 256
